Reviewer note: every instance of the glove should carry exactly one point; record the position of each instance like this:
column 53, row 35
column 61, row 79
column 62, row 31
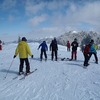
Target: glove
column 14, row 56
column 32, row 56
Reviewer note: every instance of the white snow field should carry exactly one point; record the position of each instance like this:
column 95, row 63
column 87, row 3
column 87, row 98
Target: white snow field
column 53, row 80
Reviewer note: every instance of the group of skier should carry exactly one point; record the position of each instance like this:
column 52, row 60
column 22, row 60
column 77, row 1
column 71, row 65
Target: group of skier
column 88, row 51
column 53, row 48
column 23, row 50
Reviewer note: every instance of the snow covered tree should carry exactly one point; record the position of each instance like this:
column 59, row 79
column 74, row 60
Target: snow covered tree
column 86, row 40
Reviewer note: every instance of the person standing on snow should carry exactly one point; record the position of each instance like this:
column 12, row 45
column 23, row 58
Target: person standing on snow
column 68, row 46
column 0, row 45
column 74, row 45
column 23, row 50
column 86, row 53
column 44, row 48
column 93, row 51
column 54, row 49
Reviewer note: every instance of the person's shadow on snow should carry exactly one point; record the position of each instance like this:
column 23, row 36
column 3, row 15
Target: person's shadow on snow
column 37, row 59
column 10, row 71
column 74, row 64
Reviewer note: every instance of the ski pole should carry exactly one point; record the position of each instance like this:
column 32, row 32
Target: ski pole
column 9, row 69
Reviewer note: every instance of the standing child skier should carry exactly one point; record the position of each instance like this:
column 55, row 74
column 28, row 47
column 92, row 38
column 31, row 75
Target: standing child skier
column 23, row 50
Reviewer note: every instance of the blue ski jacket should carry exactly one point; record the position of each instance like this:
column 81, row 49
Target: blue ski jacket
column 43, row 46
column 92, row 49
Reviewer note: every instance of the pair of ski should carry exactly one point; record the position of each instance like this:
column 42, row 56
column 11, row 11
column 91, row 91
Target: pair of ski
column 24, row 75
column 65, row 59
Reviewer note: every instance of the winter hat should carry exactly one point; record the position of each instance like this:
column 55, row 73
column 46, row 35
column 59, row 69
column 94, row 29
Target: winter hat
column 44, row 41
column 75, row 39
column 92, row 41
column 24, row 39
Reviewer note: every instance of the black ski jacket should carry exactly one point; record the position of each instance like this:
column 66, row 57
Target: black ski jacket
column 74, row 45
column 53, row 45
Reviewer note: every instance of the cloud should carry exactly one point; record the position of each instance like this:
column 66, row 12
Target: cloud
column 7, row 4
column 49, row 31
column 78, row 15
column 37, row 20
column 64, row 15
column 33, row 8
column 54, row 16
column 89, row 13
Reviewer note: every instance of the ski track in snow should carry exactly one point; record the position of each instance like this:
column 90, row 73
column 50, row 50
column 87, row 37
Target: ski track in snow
column 54, row 80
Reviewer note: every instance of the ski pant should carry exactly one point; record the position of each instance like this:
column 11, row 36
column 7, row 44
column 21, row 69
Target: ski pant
column 41, row 55
column 95, row 55
column 74, row 55
column 68, row 49
column 54, row 52
column 86, row 59
column 0, row 47
column 22, row 60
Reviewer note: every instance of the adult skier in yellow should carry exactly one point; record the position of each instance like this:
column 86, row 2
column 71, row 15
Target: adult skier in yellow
column 23, row 50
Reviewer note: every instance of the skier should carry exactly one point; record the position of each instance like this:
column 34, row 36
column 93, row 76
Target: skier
column 44, row 48
column 54, row 49
column 74, row 45
column 23, row 50
column 93, row 51
column 86, row 53
column 68, row 46
column 0, row 45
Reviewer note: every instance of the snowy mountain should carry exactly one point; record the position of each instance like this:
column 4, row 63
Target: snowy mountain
column 62, row 39
column 71, row 35
column 53, row 80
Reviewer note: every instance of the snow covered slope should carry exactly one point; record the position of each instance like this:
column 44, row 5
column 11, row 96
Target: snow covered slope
column 54, row 80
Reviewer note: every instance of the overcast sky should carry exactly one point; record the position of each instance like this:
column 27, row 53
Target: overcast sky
column 48, row 16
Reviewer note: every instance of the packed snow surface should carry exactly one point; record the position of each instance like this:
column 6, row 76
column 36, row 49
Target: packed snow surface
column 53, row 80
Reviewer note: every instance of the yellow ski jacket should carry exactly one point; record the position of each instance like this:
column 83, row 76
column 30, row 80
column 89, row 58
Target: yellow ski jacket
column 23, row 50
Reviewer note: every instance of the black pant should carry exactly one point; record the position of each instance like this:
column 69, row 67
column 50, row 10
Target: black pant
column 41, row 55
column 22, row 60
column 54, row 53
column 86, row 59
column 95, row 55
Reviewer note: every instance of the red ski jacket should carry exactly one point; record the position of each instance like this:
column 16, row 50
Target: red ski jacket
column 87, row 49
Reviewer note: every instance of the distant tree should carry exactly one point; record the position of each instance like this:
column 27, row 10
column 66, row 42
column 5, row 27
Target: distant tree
column 86, row 40
column 98, row 41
